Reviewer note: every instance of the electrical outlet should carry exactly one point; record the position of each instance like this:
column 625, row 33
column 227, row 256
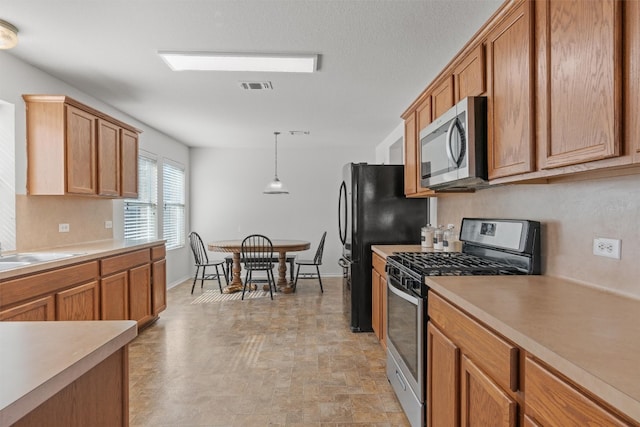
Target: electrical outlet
column 63, row 228
column 108, row 224
column 609, row 248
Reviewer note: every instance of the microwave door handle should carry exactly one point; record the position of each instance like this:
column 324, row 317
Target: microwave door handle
column 450, row 141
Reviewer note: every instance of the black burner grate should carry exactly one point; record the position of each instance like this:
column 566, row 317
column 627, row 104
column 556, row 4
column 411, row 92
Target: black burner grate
column 452, row 264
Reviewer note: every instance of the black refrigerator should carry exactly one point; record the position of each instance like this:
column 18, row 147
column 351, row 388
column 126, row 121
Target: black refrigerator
column 372, row 209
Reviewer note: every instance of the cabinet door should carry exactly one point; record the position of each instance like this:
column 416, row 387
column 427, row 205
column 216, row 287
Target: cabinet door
column 81, row 151
column 579, row 79
column 39, row 310
column 410, row 155
column 114, row 297
column 129, row 164
column 483, row 403
column 510, row 138
column 159, row 286
column 375, row 303
column 469, row 75
column 140, row 294
column 442, row 96
column 78, row 303
column 443, row 379
column 632, row 82
column 550, row 401
column 108, row 159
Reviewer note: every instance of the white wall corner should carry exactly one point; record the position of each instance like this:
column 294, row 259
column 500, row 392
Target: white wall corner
column 384, row 148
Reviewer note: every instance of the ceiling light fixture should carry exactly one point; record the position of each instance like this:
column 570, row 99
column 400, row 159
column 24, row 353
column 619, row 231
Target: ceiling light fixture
column 8, row 35
column 276, row 186
column 220, row 61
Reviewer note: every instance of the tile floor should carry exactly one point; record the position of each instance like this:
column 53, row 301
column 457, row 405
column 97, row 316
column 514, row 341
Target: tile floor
column 288, row 362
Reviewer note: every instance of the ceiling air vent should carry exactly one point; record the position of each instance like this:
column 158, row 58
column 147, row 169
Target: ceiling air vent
column 256, row 85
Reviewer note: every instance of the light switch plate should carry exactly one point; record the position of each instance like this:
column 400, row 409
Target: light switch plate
column 63, row 228
column 108, row 224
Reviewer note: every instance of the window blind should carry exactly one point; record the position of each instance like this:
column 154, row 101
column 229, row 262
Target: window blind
column 140, row 219
column 173, row 195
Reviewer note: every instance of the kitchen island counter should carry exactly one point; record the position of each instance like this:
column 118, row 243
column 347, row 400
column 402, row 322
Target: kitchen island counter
column 65, row 372
column 589, row 335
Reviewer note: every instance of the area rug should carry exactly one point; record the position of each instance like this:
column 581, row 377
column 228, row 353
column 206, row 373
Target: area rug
column 215, row 296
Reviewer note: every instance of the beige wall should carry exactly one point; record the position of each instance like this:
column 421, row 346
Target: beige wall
column 572, row 215
column 37, row 219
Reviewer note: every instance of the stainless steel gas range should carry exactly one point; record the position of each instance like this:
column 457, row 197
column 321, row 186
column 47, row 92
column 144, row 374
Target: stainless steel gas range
column 489, row 247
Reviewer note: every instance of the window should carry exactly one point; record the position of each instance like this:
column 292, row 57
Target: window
column 173, row 197
column 140, row 219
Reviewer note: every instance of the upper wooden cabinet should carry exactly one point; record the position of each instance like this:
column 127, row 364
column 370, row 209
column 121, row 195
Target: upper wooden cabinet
column 129, row 163
column 74, row 149
column 632, row 77
column 80, row 147
column 579, row 81
column 442, row 96
column 469, row 75
column 413, row 124
column 108, row 159
column 510, row 139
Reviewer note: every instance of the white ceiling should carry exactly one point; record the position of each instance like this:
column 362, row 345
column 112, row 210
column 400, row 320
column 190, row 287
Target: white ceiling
column 375, row 58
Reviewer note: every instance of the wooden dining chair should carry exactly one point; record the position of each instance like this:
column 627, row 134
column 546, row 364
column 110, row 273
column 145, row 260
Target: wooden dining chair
column 202, row 261
column 256, row 253
column 315, row 262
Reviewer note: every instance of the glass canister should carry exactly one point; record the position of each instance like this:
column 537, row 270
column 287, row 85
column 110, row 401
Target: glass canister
column 438, row 238
column 426, row 237
column 448, row 238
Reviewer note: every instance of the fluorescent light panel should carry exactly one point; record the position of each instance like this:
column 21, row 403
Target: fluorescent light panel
column 216, row 61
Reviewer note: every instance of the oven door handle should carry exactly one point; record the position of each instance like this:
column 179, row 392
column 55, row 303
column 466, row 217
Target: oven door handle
column 402, row 294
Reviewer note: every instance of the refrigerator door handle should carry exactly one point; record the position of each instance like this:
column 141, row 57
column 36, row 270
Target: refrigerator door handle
column 342, row 231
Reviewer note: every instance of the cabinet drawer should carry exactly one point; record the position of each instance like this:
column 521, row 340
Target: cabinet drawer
column 550, row 400
column 497, row 357
column 125, row 261
column 158, row 252
column 378, row 264
column 35, row 285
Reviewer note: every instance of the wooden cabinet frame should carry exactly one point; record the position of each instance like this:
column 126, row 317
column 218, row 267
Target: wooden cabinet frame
column 75, row 149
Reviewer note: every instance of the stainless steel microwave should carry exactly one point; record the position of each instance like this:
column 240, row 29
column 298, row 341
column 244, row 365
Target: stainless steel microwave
column 453, row 153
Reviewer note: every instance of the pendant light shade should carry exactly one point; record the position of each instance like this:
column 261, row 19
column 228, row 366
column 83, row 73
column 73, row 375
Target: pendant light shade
column 276, row 186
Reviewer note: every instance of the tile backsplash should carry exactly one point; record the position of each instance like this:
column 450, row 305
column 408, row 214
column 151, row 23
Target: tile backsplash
column 572, row 215
column 38, row 217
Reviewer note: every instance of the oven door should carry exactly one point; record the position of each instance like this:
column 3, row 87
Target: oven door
column 406, row 350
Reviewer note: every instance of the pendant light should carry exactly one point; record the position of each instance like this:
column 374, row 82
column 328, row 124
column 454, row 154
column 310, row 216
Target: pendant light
column 276, row 186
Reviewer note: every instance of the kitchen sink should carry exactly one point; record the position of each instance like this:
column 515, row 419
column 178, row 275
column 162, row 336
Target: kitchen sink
column 21, row 259
column 8, row 265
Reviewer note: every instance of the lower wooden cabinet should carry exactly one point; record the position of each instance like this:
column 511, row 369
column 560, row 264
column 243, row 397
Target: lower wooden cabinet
column 140, row 294
column 551, row 401
column 127, row 286
column 39, row 310
column 79, row 303
column 130, row 275
column 114, row 297
column 483, row 402
column 379, row 299
column 468, row 383
column 477, row 378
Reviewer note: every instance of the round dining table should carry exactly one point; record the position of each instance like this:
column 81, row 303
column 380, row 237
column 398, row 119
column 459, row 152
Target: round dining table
column 280, row 246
